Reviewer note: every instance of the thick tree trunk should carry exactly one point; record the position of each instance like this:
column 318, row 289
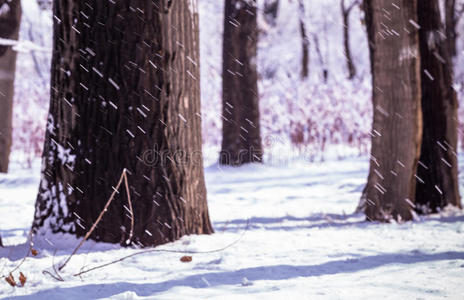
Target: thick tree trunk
column 451, row 21
column 396, row 134
column 304, row 41
column 241, row 140
column 271, row 9
column 346, row 38
column 125, row 95
column 10, row 19
column 437, row 182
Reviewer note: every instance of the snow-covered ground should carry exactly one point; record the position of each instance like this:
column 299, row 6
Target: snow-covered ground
column 301, row 242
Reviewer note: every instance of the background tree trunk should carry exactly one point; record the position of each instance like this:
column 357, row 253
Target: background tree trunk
column 325, row 71
column 346, row 38
column 241, row 139
column 437, row 183
column 10, row 19
column 304, row 41
column 396, row 134
column 368, row 14
column 125, row 93
column 271, row 9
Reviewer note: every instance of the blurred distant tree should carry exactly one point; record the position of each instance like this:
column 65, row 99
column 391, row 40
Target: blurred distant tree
column 45, row 4
column 241, row 139
column 397, row 125
column 325, row 71
column 437, row 174
column 346, row 10
column 453, row 13
column 10, row 19
column 304, row 40
column 271, row 9
column 125, row 94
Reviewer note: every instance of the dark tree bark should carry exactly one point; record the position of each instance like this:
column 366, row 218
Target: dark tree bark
column 125, row 94
column 10, row 20
column 241, row 139
column 437, row 182
column 304, row 41
column 346, row 38
column 271, row 9
column 368, row 14
column 451, row 21
column 396, row 140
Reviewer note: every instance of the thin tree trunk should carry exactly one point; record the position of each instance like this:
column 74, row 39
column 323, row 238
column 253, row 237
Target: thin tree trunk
column 437, row 183
column 368, row 14
column 241, row 139
column 125, row 94
column 271, row 9
column 396, row 140
column 304, row 41
column 325, row 72
column 346, row 38
column 10, row 19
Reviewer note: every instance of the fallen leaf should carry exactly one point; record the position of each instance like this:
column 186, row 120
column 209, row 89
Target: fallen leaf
column 10, row 280
column 34, row 252
column 22, row 278
column 186, row 259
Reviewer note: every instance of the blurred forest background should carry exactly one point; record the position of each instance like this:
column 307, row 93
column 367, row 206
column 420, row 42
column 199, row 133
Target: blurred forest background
column 323, row 115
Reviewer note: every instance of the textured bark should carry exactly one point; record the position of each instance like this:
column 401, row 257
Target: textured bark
column 241, row 140
column 346, row 38
column 125, row 94
column 396, row 140
column 271, row 9
column 437, row 184
column 451, row 21
column 304, row 41
column 10, row 20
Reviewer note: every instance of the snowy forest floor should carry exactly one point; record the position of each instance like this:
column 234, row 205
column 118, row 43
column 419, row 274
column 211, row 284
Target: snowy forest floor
column 302, row 242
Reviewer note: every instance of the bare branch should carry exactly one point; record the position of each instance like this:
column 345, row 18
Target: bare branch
column 87, row 235
column 29, row 251
column 55, row 276
column 352, row 5
column 131, row 233
column 165, row 250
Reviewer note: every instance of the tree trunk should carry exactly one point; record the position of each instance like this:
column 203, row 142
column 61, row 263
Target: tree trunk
column 437, row 182
column 304, row 41
column 10, row 19
column 241, row 140
column 451, row 21
column 325, row 71
column 368, row 14
column 125, row 94
column 45, row 4
column 346, row 38
column 271, row 9
column 396, row 134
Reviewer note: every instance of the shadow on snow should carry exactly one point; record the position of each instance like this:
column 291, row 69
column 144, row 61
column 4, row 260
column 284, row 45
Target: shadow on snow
column 213, row 279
